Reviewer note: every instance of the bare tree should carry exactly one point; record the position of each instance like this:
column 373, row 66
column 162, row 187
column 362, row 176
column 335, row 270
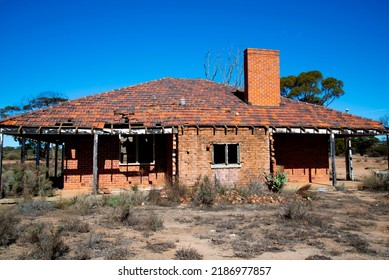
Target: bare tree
column 226, row 69
column 385, row 120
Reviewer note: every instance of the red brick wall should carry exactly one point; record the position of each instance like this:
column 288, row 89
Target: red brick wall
column 304, row 157
column 195, row 154
column 262, row 77
column 112, row 175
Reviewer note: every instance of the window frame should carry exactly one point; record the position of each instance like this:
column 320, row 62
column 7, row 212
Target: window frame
column 226, row 164
column 136, row 139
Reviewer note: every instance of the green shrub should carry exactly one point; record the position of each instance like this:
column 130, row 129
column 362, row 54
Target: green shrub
column 27, row 180
column 205, row 191
column 275, row 182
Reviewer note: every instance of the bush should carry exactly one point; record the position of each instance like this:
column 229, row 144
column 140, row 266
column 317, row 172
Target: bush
column 47, row 242
column 86, row 205
column 8, row 227
column 74, row 225
column 275, row 182
column 127, row 216
column 27, row 180
column 376, row 183
column 205, row 191
column 296, row 209
column 187, row 254
column 34, row 207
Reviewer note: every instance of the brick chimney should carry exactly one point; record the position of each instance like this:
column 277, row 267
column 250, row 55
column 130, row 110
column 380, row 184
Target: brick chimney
column 262, row 77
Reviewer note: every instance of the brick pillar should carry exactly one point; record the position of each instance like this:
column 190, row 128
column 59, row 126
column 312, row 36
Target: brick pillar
column 262, row 77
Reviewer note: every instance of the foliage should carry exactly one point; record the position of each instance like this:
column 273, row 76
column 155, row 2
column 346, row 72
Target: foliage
column 27, row 180
column 312, row 88
column 275, row 182
column 8, row 227
column 361, row 145
column 378, row 150
column 42, row 100
column 205, row 191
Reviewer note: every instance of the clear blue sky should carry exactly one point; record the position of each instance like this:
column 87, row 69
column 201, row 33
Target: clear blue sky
column 80, row 47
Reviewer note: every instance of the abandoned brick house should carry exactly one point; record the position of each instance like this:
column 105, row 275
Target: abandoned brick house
column 182, row 128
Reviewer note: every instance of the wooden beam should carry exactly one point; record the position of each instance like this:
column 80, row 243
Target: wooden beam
column 333, row 165
column 95, row 162
column 23, row 151
column 1, row 163
column 56, row 160
column 349, row 160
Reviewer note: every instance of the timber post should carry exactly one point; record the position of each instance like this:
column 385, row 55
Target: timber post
column 333, row 165
column 95, row 163
column 62, row 158
column 1, row 163
column 23, row 151
column 349, row 160
column 38, row 153
column 56, row 160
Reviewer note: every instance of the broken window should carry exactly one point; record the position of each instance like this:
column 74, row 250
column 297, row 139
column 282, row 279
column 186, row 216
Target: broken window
column 226, row 154
column 137, row 149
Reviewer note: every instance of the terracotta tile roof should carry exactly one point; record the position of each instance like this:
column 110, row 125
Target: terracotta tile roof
column 157, row 103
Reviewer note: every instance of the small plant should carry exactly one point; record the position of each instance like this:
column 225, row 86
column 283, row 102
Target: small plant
column 152, row 222
column 275, row 182
column 187, row 254
column 8, row 227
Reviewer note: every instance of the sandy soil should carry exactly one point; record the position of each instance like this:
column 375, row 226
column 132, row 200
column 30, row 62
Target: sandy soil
column 348, row 224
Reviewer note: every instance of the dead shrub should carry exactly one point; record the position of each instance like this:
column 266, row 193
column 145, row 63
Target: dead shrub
column 296, row 209
column 160, row 247
column 117, row 253
column 74, row 225
column 187, row 254
column 317, row 257
column 34, row 207
column 8, row 227
column 86, row 205
column 376, row 183
column 46, row 241
column 128, row 217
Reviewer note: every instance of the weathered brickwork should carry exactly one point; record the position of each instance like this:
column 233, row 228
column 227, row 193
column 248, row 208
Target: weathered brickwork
column 113, row 175
column 304, row 157
column 195, row 154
